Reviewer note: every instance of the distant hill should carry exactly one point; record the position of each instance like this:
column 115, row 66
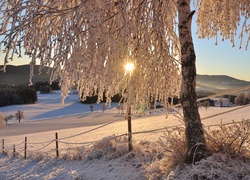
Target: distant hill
column 210, row 84
column 21, row 75
column 206, row 84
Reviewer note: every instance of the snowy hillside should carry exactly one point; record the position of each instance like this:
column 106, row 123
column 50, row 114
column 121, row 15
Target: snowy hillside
column 75, row 123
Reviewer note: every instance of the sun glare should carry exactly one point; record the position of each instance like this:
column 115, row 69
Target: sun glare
column 129, row 67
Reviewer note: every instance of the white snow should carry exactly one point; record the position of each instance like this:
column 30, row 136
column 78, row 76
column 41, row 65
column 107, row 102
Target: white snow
column 75, row 123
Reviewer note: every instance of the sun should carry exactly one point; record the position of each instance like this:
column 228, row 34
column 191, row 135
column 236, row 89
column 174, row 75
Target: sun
column 129, row 67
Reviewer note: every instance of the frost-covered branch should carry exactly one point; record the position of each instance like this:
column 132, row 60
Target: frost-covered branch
column 223, row 18
column 88, row 43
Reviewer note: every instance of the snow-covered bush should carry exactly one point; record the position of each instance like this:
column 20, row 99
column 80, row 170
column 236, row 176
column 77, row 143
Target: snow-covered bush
column 174, row 152
column 232, row 139
column 19, row 115
column 38, row 156
column 228, row 146
column 218, row 166
column 110, row 147
column 76, row 153
column 113, row 147
column 7, row 118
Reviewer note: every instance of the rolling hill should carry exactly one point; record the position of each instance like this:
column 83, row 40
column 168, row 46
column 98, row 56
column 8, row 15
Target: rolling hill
column 210, row 84
column 21, row 75
column 206, row 84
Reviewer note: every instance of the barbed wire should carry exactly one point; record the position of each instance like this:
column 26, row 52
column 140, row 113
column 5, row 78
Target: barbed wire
column 229, row 123
column 48, row 151
column 19, row 152
column 19, row 144
column 106, row 124
column 231, row 110
column 43, row 146
column 44, row 142
column 92, row 142
column 82, row 143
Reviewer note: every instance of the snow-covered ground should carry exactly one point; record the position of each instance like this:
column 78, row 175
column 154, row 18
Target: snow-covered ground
column 75, row 123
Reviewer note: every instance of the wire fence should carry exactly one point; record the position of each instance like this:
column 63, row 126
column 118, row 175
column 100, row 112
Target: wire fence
column 56, row 145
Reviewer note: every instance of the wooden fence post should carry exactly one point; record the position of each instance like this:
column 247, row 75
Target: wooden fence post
column 3, row 146
column 57, row 151
column 25, row 148
column 14, row 150
column 130, row 147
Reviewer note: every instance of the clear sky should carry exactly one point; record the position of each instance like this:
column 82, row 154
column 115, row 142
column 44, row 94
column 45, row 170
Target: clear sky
column 222, row 59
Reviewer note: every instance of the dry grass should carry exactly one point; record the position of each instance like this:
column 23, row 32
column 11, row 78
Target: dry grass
column 109, row 147
column 228, row 145
column 232, row 139
column 77, row 153
column 173, row 152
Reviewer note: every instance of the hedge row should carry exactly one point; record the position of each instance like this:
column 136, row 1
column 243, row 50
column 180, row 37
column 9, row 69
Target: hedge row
column 10, row 95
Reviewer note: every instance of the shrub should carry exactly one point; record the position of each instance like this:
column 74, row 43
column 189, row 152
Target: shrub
column 206, row 104
column 227, row 144
column 241, row 99
column 232, row 139
column 173, row 152
column 7, row 118
column 45, row 89
column 111, row 147
column 19, row 115
column 53, row 85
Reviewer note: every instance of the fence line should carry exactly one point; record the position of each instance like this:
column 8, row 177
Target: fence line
column 106, row 124
column 81, row 143
column 57, row 149
column 44, row 142
column 43, row 146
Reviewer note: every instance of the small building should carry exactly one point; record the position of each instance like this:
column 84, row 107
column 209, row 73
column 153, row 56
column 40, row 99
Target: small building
column 221, row 102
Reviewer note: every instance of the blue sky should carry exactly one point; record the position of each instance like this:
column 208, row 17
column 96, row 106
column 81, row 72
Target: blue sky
column 222, row 59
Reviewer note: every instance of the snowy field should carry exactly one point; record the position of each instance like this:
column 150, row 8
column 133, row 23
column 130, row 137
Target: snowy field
column 75, row 123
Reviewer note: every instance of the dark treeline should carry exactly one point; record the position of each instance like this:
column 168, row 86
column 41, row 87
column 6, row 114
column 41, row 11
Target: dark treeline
column 93, row 99
column 118, row 98
column 43, row 86
column 17, row 94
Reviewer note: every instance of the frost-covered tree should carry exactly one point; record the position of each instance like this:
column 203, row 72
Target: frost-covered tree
column 19, row 115
column 206, row 104
column 88, row 42
column 241, row 99
column 7, row 118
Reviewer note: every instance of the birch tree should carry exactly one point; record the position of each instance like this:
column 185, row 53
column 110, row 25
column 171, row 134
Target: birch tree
column 88, row 42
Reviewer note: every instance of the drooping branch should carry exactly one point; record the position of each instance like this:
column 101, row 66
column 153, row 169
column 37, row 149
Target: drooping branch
column 87, row 44
column 223, row 18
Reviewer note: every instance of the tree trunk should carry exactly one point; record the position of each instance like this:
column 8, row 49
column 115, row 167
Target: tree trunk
column 194, row 130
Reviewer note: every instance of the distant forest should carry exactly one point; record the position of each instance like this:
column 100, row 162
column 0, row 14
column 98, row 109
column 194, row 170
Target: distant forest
column 17, row 94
